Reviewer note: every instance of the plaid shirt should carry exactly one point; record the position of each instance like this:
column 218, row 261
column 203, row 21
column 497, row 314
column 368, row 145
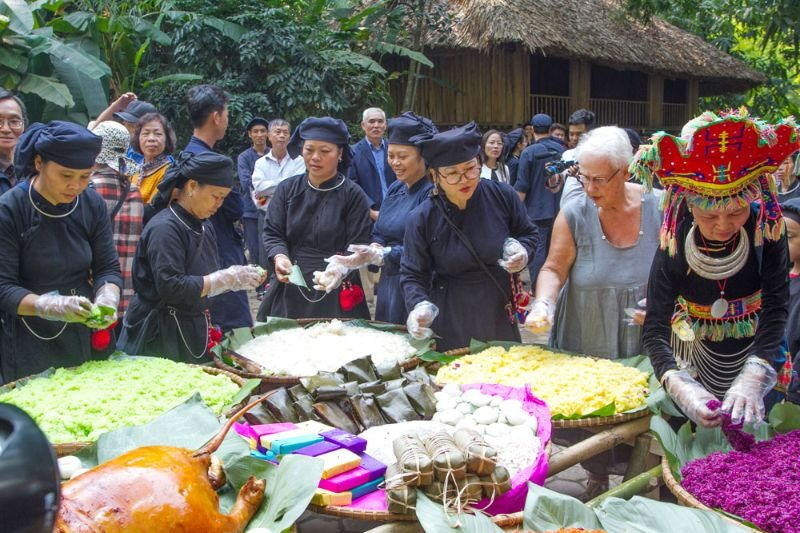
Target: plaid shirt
column 127, row 224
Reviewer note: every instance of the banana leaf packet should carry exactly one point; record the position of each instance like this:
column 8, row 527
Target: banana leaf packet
column 481, row 458
column 422, row 399
column 497, row 483
column 412, row 458
column 470, row 489
column 366, row 410
column 419, row 375
column 388, row 371
column 447, row 459
column 395, row 406
column 333, row 415
column 400, row 498
column 280, row 405
column 259, row 414
column 359, row 370
column 373, row 387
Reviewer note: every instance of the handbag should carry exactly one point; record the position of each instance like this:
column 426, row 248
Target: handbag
column 511, row 304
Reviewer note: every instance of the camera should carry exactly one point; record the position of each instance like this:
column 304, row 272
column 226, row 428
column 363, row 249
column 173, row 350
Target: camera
column 557, row 167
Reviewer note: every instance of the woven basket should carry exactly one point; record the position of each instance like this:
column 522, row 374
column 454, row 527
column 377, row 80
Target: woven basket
column 592, row 421
column 68, row 448
column 501, row 520
column 686, row 499
column 249, row 369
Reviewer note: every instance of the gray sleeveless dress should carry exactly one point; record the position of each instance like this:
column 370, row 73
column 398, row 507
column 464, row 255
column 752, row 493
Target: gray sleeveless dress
column 604, row 280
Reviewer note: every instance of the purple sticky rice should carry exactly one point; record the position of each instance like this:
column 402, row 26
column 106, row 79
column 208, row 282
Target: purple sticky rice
column 761, row 485
column 739, row 440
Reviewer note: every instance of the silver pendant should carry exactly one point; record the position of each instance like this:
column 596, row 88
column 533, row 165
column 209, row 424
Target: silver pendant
column 719, row 308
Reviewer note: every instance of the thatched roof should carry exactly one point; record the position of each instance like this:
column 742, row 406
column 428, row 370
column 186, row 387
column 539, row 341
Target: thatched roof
column 597, row 31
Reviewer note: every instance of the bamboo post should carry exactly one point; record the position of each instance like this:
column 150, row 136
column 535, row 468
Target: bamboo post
column 605, row 440
column 637, row 462
column 646, row 481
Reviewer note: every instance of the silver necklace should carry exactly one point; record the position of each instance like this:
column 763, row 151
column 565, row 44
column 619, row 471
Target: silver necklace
column 48, row 215
column 717, row 268
column 187, row 226
column 326, row 190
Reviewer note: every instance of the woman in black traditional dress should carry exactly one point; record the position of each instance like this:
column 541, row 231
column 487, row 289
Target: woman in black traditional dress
column 313, row 216
column 175, row 270
column 718, row 290
column 57, row 252
column 462, row 246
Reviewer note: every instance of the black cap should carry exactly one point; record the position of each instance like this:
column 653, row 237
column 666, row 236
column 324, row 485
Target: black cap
column 328, row 129
column 135, row 110
column 207, row 168
column 451, row 147
column 65, row 143
column 408, row 125
column 257, row 121
column 511, row 140
column 541, row 122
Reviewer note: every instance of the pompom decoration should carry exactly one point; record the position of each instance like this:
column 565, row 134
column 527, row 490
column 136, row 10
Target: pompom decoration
column 719, row 160
column 350, row 296
column 101, row 338
column 214, row 336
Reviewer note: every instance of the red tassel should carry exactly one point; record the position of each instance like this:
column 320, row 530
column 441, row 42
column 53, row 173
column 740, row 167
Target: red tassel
column 350, row 296
column 101, row 338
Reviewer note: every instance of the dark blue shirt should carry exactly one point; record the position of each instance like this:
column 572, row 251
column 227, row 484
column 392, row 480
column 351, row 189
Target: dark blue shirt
column 541, row 203
column 6, row 182
column 245, row 164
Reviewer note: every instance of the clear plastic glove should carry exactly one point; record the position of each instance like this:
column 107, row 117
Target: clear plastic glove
column 691, row 397
column 53, row 306
column 420, row 319
column 107, row 296
column 745, row 398
column 283, row 267
column 331, row 277
column 515, row 257
column 234, row 278
column 540, row 318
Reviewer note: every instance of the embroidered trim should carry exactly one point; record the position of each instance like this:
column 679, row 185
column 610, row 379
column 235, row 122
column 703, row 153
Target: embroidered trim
column 740, row 321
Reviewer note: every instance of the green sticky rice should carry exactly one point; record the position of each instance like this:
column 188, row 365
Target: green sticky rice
column 98, row 396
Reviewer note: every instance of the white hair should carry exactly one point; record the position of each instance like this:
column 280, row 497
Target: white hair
column 369, row 110
column 608, row 142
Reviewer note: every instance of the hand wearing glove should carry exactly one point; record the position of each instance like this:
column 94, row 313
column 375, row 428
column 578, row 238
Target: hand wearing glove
column 107, row 296
column 540, row 318
column 234, row 278
column 54, row 306
column 745, row 398
column 420, row 319
column 283, row 267
column 691, row 397
column 515, row 257
column 331, row 277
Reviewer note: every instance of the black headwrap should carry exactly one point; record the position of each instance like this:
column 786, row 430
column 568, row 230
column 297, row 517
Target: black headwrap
column 206, row 168
column 451, row 147
column 408, row 125
column 791, row 209
column 327, row 129
column 62, row 142
column 511, row 141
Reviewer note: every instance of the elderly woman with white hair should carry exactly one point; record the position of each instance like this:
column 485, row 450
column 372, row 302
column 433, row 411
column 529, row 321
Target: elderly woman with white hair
column 599, row 260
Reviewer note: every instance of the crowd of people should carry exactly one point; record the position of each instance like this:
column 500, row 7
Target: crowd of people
column 691, row 265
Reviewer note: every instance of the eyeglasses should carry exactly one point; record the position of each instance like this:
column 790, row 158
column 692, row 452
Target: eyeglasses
column 13, row 123
column 600, row 182
column 454, row 178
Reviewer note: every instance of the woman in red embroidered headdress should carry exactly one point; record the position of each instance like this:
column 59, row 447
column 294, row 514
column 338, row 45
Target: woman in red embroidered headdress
column 718, row 290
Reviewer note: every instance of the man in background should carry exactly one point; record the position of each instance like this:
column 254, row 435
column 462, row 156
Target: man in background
column 370, row 168
column 257, row 133
column 12, row 124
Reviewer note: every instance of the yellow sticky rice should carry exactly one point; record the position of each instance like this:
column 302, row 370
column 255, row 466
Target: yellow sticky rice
column 79, row 404
column 569, row 385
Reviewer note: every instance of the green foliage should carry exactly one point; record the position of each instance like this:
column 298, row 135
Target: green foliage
column 276, row 59
column 763, row 33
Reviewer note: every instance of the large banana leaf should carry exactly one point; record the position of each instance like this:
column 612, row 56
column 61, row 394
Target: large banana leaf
column 548, row 510
column 290, row 486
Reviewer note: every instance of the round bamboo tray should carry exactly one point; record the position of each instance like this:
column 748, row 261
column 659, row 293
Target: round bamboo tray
column 501, row 520
column 68, row 448
column 686, row 499
column 592, row 421
column 273, row 382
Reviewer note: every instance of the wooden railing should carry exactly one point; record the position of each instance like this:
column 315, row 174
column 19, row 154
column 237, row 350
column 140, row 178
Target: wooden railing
column 623, row 113
column 675, row 115
column 558, row 107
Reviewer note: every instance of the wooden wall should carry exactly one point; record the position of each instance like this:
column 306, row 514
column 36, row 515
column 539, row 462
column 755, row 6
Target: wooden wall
column 490, row 88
